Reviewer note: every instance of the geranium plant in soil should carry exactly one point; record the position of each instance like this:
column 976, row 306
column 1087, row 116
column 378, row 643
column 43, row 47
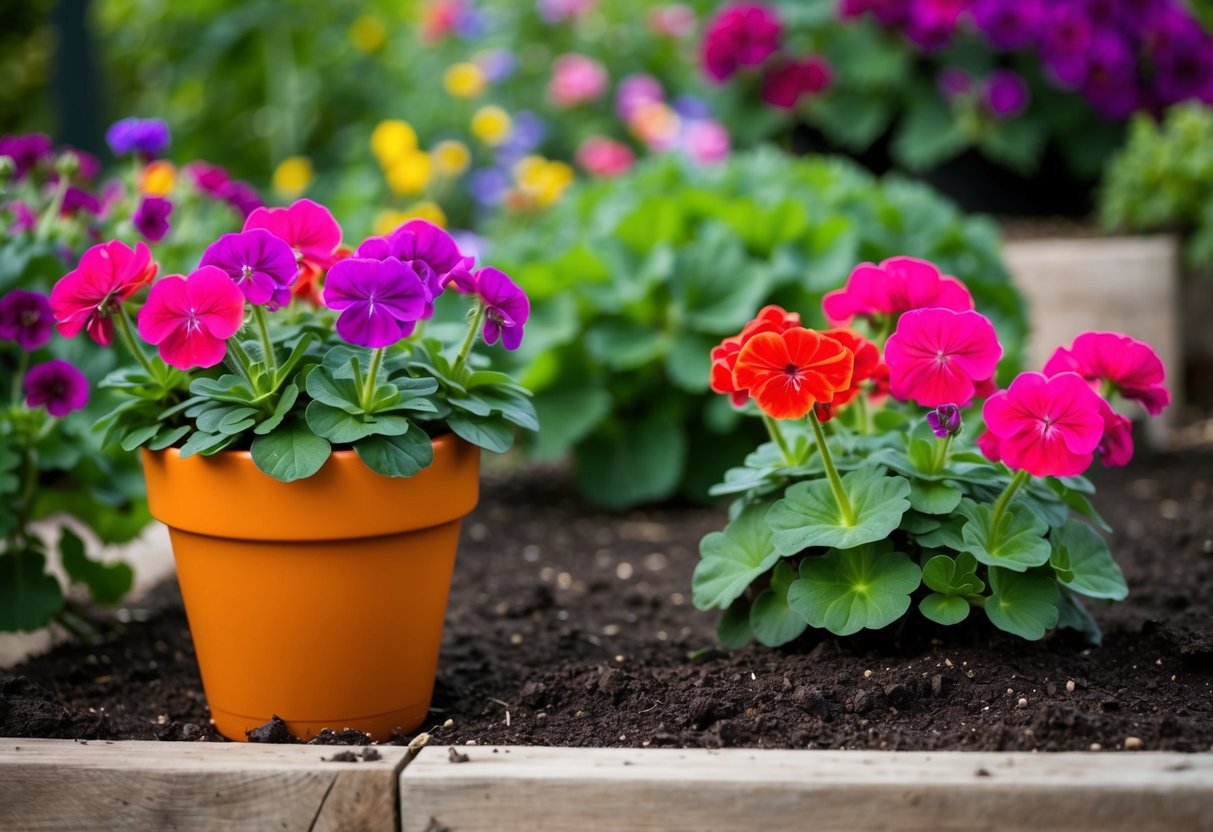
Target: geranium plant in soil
column 898, row 475
column 311, row 447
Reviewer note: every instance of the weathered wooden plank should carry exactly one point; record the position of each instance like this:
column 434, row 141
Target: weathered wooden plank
column 61, row 785
column 621, row 790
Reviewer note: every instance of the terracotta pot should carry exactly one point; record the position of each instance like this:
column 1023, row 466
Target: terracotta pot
column 320, row 600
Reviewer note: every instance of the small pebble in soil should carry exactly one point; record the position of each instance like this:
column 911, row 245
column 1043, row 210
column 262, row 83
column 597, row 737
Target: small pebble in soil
column 867, row 674
column 1134, row 744
column 274, row 731
column 1070, row 686
column 1022, row 703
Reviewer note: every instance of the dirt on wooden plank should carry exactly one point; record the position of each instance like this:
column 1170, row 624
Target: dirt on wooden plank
column 569, row 626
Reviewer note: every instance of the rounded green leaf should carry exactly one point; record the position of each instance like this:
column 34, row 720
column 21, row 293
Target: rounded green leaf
column 1095, row 573
column 808, row 515
column 848, row 591
column 932, row 497
column 731, row 560
column 772, row 621
column 1023, row 603
column 29, row 597
column 291, row 452
column 733, row 629
column 396, row 456
column 1018, row 543
column 944, row 609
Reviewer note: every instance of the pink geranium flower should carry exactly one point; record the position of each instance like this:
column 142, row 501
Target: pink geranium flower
column 191, row 318
column 741, row 35
column 308, row 228
column 1131, row 367
column 601, row 156
column 108, row 274
column 1116, row 447
column 576, row 79
column 938, row 356
column 1049, row 427
column 895, row 286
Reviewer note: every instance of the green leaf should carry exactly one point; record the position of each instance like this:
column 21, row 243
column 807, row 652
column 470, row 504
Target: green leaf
column 341, row 427
column 286, row 400
column 1095, row 573
column 167, row 437
column 568, row 415
column 715, row 287
column 138, row 436
column 107, row 583
column 689, row 361
column 29, row 597
column 1023, row 603
column 629, row 465
column 1018, row 543
column 808, row 515
column 845, row 591
column 291, row 452
column 204, row 443
column 396, row 456
column 933, row 497
column 514, row 406
column 733, row 559
column 944, row 609
column 733, row 629
column 1072, row 614
column 625, row 345
column 953, row 577
column 772, row 621
column 492, row 434
column 342, row 393
column 927, row 134
column 1078, row 503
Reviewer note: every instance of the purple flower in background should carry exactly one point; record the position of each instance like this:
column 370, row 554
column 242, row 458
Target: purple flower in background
column 23, row 218
column 506, row 305
column 784, row 85
column 1065, row 39
column 76, row 200
column 26, row 151
column 58, row 386
column 471, row 244
column 380, row 300
column 556, row 11
column 690, row 107
column 488, row 185
column 151, row 218
column 944, row 420
column 263, row 266
column 210, row 179
column 888, row 12
column 240, row 197
column 1182, row 54
column 1010, row 24
column 426, row 249
column 1111, row 82
column 930, row 23
column 145, row 136
column 528, row 129
column 954, row 82
column 25, row 317
column 1103, row 13
column 470, row 24
column 496, row 64
column 635, row 92
column 707, row 141
column 1005, row 93
column 741, row 35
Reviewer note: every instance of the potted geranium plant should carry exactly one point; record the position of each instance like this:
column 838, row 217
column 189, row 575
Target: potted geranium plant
column 881, row 486
column 312, row 459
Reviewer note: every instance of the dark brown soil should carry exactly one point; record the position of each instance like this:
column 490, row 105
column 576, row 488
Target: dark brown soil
column 572, row 627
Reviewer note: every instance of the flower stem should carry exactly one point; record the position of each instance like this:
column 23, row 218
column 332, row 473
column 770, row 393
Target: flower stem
column 477, row 319
column 19, row 376
column 861, row 412
column 840, row 494
column 128, row 338
column 267, row 346
column 1004, row 499
column 941, row 454
column 370, row 381
column 47, row 221
column 244, row 362
column 778, row 438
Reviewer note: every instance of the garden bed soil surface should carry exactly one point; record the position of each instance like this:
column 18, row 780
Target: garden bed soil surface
column 568, row 626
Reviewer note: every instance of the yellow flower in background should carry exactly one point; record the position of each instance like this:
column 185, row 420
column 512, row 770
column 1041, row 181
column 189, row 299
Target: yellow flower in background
column 492, row 125
column 389, row 220
column 292, row 176
column 464, row 80
column 392, row 139
column 410, row 173
column 427, row 210
column 158, row 178
column 368, row 33
column 542, row 182
column 451, row 158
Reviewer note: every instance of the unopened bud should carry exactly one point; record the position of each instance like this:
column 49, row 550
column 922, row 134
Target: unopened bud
column 945, row 420
column 68, row 164
column 8, row 168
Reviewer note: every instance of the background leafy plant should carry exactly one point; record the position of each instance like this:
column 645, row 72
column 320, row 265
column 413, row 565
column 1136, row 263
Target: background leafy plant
column 638, row 278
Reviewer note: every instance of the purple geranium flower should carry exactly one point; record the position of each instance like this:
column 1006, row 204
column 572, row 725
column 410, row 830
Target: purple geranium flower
column 1006, row 94
column 1064, row 41
column 151, row 218
column 1009, row 24
column 380, row 300
column 25, row 317
column 488, row 185
column 1111, row 82
column 1183, row 58
column 431, row 252
column 76, row 200
column 506, row 305
column 944, row 420
column 26, row 151
column 241, row 197
column 496, row 64
column 145, row 136
column 23, row 217
column 932, row 22
column 58, row 386
column 209, row 178
column 263, row 266
column 635, row 92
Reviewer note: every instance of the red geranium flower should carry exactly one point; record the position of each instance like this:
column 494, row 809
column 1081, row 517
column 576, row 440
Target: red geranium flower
column 868, row 367
column 788, row 372
column 724, row 356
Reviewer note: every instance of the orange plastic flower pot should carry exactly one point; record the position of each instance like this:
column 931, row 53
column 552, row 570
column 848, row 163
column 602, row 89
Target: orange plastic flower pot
column 320, row 600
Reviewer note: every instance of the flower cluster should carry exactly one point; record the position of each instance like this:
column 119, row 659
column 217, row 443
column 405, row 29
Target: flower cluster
column 682, row 125
column 748, row 37
column 1122, row 55
column 888, row 493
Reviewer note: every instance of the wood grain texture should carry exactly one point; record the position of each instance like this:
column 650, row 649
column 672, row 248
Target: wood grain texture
column 621, row 790
column 61, row 785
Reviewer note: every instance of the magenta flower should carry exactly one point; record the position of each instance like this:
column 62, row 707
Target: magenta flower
column 25, row 317
column 1131, row 367
column 954, row 82
column 706, row 141
column 77, row 200
column 151, row 218
column 1116, row 446
column 108, row 274
column 262, row 265
column 190, row 318
column 1010, row 24
column 26, row 151
column 1006, row 95
column 306, row 226
column 897, row 285
column 23, row 218
column 786, row 84
column 938, row 356
column 944, row 420
column 930, row 23
column 1049, row 427
column 380, row 300
column 241, row 197
column 635, row 92
column 605, row 157
column 506, row 305
column 145, row 136
column 56, row 385
column 739, row 36
column 209, row 178
column 1065, row 37
column 576, row 79
column 429, row 250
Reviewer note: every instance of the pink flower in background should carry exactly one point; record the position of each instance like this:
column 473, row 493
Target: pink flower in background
column 707, row 141
column 787, row 83
column 1049, row 427
column 209, row 178
column 1005, row 93
column 308, row 228
column 635, row 92
column 56, row 385
column 190, row 318
column 23, row 218
column 604, row 157
column 673, row 21
column 575, row 80
column 741, row 35
column 1132, row 368
column 108, row 274
column 151, row 218
column 557, row 11
column 937, row 356
column 1116, row 447
column 895, row 286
